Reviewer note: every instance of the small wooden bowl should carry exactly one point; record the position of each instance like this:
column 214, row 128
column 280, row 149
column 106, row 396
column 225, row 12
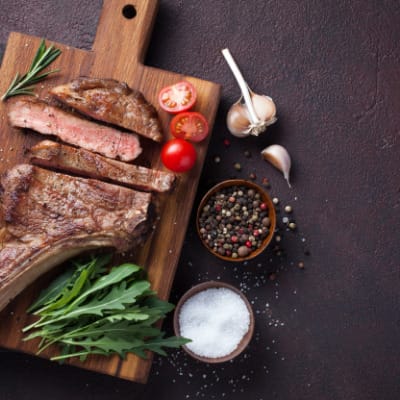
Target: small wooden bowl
column 246, row 338
column 265, row 198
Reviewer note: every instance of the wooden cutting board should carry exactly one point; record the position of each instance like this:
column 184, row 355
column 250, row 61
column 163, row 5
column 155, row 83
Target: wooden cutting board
column 118, row 52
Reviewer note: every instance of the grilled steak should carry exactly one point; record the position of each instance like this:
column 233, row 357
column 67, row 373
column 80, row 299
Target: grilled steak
column 86, row 163
column 50, row 217
column 50, row 120
column 111, row 101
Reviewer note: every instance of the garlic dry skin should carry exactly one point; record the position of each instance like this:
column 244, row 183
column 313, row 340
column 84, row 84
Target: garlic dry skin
column 239, row 121
column 279, row 157
column 252, row 113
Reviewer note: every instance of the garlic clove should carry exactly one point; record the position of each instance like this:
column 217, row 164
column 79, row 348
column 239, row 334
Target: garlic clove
column 237, row 120
column 264, row 107
column 279, row 157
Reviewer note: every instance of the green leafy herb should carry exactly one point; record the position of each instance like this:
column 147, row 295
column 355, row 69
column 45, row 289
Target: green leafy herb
column 24, row 84
column 89, row 310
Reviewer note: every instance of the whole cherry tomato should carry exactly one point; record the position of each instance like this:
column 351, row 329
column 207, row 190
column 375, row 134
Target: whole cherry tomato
column 178, row 155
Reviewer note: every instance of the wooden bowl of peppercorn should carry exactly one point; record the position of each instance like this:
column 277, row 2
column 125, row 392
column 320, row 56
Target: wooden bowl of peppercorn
column 236, row 220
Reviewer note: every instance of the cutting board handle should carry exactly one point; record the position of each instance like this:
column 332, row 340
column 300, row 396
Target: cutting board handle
column 123, row 32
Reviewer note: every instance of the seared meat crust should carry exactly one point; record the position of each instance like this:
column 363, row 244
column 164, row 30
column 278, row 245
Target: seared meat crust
column 111, row 101
column 50, row 217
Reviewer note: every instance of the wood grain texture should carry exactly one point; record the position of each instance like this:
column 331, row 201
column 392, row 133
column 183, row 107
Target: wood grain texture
column 118, row 53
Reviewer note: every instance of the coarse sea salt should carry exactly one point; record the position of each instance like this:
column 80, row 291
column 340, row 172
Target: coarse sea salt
column 216, row 320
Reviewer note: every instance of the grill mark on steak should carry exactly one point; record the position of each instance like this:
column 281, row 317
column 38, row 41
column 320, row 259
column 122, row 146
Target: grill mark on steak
column 50, row 120
column 111, row 101
column 85, row 163
column 51, row 217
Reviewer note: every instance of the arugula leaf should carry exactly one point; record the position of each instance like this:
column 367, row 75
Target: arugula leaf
column 92, row 310
column 156, row 303
column 53, row 291
column 114, row 300
column 116, row 275
column 71, row 287
column 157, row 343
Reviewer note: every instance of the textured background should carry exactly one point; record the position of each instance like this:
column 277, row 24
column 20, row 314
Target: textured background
column 329, row 331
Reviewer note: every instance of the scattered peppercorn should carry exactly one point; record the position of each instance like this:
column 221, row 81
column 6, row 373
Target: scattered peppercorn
column 292, row 226
column 217, row 159
column 227, row 142
column 265, row 182
column 237, row 166
column 285, row 220
column 253, row 176
column 301, row 265
column 288, row 209
column 275, row 200
column 247, row 154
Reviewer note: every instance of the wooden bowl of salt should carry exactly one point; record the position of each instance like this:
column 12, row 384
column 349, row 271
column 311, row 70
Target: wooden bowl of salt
column 219, row 320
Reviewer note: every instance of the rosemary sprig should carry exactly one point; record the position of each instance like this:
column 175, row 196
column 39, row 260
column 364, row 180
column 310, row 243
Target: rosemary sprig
column 25, row 84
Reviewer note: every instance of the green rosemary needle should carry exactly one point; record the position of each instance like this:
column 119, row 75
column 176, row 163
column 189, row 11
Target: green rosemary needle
column 25, row 84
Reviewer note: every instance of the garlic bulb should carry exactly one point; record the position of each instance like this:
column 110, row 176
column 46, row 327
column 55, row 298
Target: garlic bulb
column 252, row 113
column 279, row 157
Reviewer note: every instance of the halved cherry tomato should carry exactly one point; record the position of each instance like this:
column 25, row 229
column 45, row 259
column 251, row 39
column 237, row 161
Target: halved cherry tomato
column 178, row 155
column 178, row 97
column 189, row 125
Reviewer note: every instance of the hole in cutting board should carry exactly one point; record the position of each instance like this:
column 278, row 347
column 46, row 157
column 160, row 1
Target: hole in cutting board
column 129, row 11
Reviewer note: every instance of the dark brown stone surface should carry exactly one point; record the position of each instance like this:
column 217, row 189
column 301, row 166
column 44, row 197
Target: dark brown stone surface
column 330, row 331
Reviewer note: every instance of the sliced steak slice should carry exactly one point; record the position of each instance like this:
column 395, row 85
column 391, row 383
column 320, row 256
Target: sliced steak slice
column 49, row 120
column 50, row 217
column 111, row 101
column 85, row 163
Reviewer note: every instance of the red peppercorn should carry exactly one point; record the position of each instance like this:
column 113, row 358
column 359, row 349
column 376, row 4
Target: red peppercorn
column 248, row 244
column 234, row 239
column 218, row 207
column 263, row 206
column 256, row 232
column 266, row 183
column 227, row 143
